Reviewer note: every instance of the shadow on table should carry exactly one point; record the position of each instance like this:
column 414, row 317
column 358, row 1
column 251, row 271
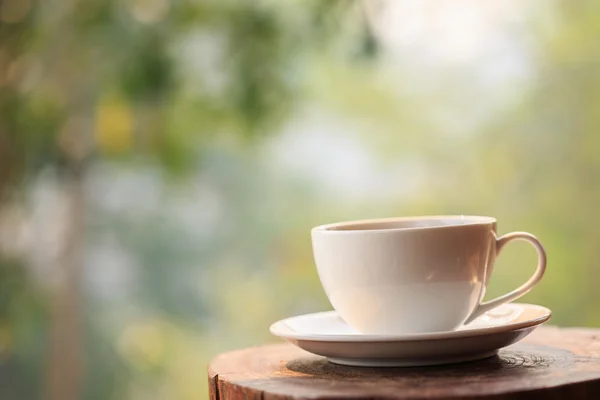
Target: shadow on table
column 515, row 362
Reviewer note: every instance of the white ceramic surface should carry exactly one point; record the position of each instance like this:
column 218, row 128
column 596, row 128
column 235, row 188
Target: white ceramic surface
column 326, row 334
column 413, row 275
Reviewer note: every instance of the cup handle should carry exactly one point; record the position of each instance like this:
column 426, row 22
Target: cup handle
column 523, row 289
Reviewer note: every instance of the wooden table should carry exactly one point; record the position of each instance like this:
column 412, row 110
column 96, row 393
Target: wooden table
column 552, row 363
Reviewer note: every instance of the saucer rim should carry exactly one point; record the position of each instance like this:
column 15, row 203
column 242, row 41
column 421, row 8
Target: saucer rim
column 546, row 315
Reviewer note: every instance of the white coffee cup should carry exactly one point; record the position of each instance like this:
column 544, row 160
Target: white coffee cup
column 413, row 275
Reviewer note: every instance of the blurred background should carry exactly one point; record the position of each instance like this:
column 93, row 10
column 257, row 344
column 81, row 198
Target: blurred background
column 162, row 163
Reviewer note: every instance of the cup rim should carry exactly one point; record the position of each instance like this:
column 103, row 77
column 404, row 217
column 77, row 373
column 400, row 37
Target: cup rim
column 472, row 220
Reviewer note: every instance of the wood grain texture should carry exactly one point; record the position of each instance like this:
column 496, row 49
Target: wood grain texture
column 552, row 363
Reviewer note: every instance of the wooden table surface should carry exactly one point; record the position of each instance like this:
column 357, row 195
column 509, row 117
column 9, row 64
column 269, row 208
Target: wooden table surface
column 551, row 363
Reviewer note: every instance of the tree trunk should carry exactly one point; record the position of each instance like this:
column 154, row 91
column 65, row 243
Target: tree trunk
column 64, row 368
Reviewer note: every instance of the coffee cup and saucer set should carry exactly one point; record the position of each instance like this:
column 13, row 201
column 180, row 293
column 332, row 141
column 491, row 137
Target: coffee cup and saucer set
column 409, row 292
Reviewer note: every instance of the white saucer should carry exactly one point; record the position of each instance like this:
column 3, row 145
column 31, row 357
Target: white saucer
column 326, row 334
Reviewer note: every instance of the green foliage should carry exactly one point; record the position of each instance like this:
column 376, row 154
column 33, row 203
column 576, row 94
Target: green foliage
column 23, row 325
column 147, row 71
